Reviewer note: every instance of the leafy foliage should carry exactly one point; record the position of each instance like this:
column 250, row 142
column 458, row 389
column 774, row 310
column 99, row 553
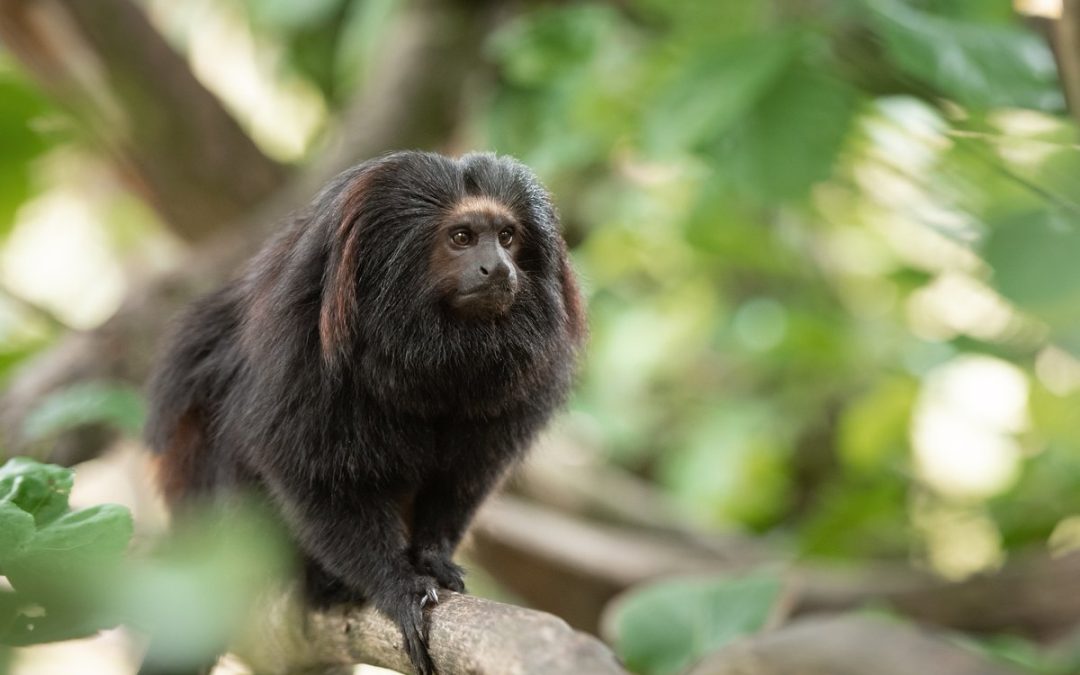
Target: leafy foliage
column 71, row 576
column 49, row 551
column 795, row 229
column 978, row 65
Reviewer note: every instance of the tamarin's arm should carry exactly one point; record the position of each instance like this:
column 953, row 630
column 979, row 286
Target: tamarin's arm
column 442, row 511
column 360, row 540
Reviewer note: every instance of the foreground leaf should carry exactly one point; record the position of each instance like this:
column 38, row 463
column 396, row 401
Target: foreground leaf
column 663, row 627
column 38, row 489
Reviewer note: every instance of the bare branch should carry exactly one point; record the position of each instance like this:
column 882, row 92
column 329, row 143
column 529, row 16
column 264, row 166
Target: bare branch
column 468, row 635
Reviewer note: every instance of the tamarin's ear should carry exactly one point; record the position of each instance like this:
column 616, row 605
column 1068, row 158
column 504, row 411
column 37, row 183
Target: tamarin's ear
column 339, row 309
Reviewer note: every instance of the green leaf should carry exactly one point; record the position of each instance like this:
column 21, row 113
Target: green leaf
column 39, row 489
column 87, row 403
column 73, row 548
column 100, row 530
column 664, row 626
column 16, row 528
column 45, row 623
column 980, row 65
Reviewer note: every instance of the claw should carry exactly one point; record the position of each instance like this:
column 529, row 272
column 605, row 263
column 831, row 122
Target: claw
column 430, row 598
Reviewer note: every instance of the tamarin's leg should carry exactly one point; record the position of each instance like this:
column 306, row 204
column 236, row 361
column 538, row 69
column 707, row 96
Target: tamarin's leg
column 442, row 511
column 360, row 540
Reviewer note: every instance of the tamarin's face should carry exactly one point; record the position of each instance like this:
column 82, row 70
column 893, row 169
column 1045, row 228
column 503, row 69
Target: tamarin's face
column 475, row 258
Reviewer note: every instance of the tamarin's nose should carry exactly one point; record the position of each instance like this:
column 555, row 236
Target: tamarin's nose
column 498, row 271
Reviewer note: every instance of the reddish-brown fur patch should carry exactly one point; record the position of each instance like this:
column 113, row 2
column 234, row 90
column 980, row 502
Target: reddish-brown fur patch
column 176, row 467
column 575, row 309
column 339, row 296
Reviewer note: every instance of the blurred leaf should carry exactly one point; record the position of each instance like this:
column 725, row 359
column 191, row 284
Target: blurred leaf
column 62, row 565
column 88, row 403
column 20, row 106
column 983, row 11
column 664, row 626
column 199, row 589
column 286, row 15
column 859, row 519
column 29, row 622
column 1034, row 260
column 540, row 47
column 792, row 138
column 76, row 543
column 56, row 564
column 874, row 427
column 564, row 74
column 38, row 489
column 1045, row 493
column 714, row 90
column 979, row 65
column 731, row 468
column 16, row 528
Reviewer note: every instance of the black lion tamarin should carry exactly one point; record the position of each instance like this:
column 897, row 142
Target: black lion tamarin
column 376, row 370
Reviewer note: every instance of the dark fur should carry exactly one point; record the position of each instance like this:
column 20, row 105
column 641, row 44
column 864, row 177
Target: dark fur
column 332, row 378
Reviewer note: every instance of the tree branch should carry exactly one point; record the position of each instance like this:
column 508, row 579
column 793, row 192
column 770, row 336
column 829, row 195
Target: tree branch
column 574, row 568
column 468, row 635
column 170, row 139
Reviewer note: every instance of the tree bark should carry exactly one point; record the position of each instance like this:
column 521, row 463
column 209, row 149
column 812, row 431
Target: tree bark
column 468, row 635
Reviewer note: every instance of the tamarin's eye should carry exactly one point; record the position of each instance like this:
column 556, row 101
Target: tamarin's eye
column 506, row 237
column 461, row 237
